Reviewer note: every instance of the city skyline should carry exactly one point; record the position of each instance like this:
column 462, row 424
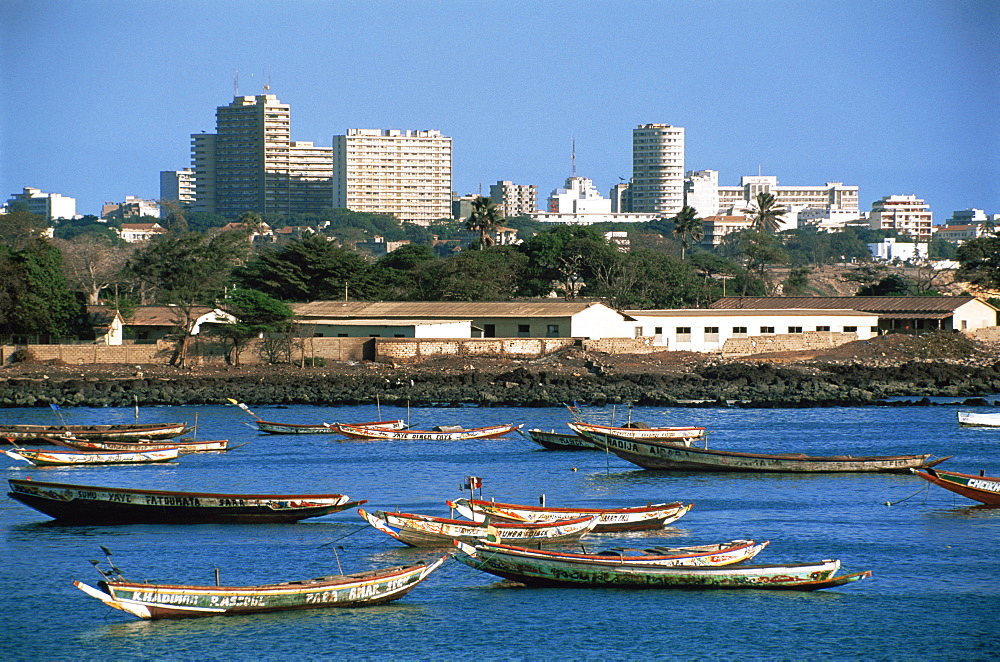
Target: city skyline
column 102, row 96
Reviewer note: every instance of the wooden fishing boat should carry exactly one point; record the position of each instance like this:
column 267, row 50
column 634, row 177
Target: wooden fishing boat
column 983, row 489
column 719, row 554
column 87, row 504
column 44, row 458
column 322, row 428
column 680, row 457
column 527, row 568
column 444, row 433
column 185, row 445
column 155, row 600
column 639, row 431
column 427, row 531
column 973, row 419
column 652, row 516
column 558, row 441
column 114, row 432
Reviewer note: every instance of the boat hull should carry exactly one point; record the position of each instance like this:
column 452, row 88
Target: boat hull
column 272, row 427
column 972, row 419
column 156, row 601
column 360, row 432
column 425, row 531
column 96, row 432
column 649, row 434
column 721, row 554
column 680, row 457
column 532, row 571
column 983, row 489
column 85, row 504
column 59, row 458
column 643, row 518
column 143, row 445
column 558, row 441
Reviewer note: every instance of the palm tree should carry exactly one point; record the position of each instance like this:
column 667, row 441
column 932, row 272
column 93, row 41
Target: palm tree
column 485, row 218
column 766, row 215
column 688, row 228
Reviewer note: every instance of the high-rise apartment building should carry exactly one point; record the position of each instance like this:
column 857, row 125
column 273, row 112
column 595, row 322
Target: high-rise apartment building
column 701, row 192
column 906, row 214
column 403, row 173
column 177, row 186
column 251, row 164
column 515, row 199
column 657, row 169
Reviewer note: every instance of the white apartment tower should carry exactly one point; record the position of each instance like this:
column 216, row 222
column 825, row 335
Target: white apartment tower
column 657, row 169
column 48, row 205
column 515, row 199
column 386, row 171
column 701, row 191
column 906, row 214
column 250, row 163
column 177, row 186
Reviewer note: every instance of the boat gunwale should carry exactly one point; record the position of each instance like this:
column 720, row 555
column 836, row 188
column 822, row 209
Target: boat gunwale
column 218, row 495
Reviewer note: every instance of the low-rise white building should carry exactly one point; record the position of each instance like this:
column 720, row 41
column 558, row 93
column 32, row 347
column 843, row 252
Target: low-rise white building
column 136, row 233
column 707, row 330
column 47, row 205
column 889, row 249
column 906, row 214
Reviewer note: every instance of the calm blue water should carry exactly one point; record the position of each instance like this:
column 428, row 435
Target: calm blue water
column 935, row 593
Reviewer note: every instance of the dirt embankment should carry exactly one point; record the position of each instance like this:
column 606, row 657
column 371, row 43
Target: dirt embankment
column 862, row 372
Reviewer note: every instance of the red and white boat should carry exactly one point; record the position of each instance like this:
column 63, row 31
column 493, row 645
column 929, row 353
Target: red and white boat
column 184, row 445
column 652, row 516
column 445, row 433
column 272, row 427
column 645, row 433
column 983, row 489
column 45, row 458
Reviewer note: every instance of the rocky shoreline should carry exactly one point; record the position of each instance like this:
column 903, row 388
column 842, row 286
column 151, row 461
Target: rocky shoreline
column 592, row 381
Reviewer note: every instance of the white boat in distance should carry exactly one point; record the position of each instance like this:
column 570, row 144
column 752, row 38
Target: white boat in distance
column 973, row 419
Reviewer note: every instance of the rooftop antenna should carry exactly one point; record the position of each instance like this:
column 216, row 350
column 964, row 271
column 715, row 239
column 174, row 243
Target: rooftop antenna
column 268, row 85
column 236, row 82
column 573, row 156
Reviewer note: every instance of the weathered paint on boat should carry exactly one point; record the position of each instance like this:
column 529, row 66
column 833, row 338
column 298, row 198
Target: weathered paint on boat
column 272, row 427
column 680, row 457
column 185, row 445
column 558, row 441
column 652, row 516
column 86, row 504
column 96, row 432
column 425, row 531
column 44, row 458
column 490, row 432
column 973, row 419
column 533, row 571
column 984, row 489
column 718, row 554
column 153, row 601
column 651, row 434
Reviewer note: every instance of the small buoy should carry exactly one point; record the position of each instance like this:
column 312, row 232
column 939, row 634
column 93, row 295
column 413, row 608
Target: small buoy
column 574, row 468
column 888, row 503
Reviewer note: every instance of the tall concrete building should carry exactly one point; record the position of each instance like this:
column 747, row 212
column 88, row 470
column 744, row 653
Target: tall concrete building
column 251, row 164
column 906, row 214
column 177, row 186
column 657, row 169
column 515, row 199
column 49, row 205
column 386, row 171
column 832, row 195
column 701, row 191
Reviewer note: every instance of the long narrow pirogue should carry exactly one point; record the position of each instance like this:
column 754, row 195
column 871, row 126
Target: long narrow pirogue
column 154, row 601
column 984, row 489
column 639, row 518
column 112, row 432
column 526, row 567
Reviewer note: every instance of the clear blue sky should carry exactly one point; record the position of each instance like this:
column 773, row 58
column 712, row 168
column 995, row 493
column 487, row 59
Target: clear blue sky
column 893, row 96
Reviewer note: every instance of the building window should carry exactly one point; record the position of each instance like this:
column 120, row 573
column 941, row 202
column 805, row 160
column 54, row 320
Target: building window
column 398, row 335
column 684, row 334
column 489, row 330
column 374, row 335
column 341, row 335
column 795, row 329
column 740, row 331
column 767, row 329
column 822, row 328
column 552, row 331
column 658, row 330
column 638, row 332
column 850, row 329
column 523, row 330
column 874, row 330
column 711, row 330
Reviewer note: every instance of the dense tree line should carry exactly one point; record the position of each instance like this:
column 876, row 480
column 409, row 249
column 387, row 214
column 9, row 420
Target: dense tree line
column 45, row 284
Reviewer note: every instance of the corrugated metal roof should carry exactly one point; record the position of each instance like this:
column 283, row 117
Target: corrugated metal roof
column 381, row 322
column 162, row 315
column 732, row 312
column 446, row 309
column 880, row 305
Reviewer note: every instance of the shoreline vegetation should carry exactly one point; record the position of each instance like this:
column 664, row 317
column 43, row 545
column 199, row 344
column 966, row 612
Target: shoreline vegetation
column 892, row 370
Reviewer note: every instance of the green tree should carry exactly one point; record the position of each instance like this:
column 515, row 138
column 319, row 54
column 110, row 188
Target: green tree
column 309, row 269
column 564, row 256
column 765, row 213
column 20, row 228
column 187, row 270
column 688, row 228
column 34, row 297
column 493, row 275
column 757, row 251
column 893, row 285
column 485, row 218
column 397, row 272
column 256, row 314
column 92, row 262
column 797, row 281
column 979, row 261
